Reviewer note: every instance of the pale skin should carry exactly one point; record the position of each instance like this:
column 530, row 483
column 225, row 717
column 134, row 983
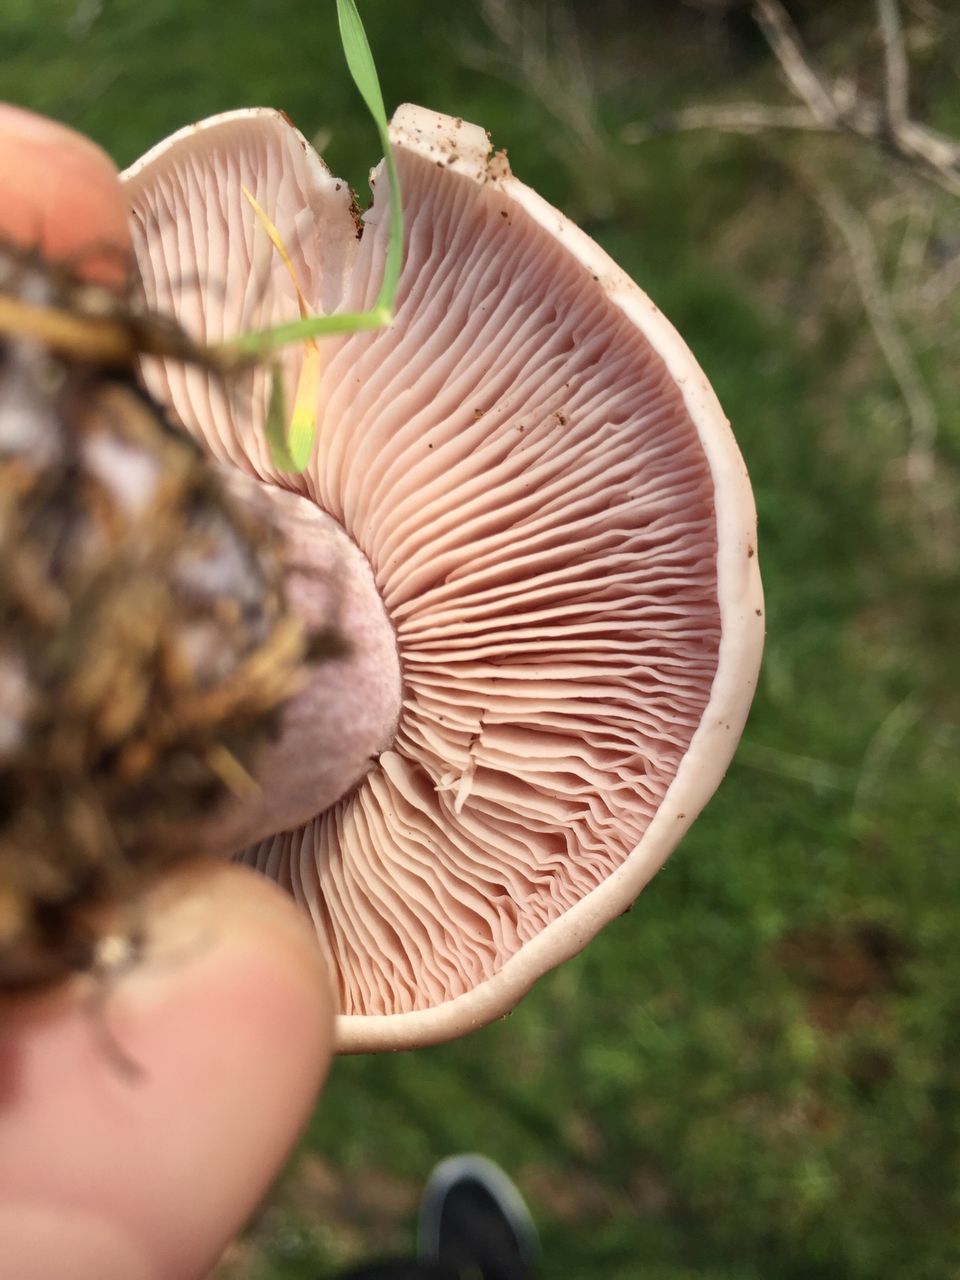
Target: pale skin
column 142, row 1119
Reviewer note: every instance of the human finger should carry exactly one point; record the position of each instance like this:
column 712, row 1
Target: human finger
column 60, row 196
column 141, row 1122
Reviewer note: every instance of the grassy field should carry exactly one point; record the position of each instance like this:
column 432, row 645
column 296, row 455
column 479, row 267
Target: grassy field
column 756, row 1073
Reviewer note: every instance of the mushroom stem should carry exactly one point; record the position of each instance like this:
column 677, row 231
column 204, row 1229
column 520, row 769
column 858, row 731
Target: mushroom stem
column 347, row 712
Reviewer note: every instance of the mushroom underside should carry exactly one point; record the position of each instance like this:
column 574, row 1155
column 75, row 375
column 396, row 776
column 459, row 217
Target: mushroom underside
column 535, row 490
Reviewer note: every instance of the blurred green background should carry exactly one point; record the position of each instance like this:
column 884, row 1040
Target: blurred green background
column 756, row 1073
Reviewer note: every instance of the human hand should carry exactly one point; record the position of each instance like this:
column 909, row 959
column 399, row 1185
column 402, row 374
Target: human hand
column 109, row 1173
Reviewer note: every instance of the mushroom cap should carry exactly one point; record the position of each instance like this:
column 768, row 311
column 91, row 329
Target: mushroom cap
column 558, row 522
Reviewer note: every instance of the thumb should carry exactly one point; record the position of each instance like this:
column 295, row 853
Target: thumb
column 59, row 195
column 146, row 1174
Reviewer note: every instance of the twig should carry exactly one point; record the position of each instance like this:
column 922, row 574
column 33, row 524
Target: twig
column 732, row 117
column 854, row 231
column 934, row 153
column 913, row 249
column 936, row 290
column 896, row 68
column 886, row 124
column 784, row 39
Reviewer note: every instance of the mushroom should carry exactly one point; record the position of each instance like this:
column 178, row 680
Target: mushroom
column 546, row 545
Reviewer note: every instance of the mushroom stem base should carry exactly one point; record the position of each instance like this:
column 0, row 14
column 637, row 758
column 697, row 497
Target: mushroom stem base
column 347, row 712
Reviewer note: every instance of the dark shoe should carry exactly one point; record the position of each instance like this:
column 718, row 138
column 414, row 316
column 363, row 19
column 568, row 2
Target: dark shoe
column 474, row 1221
column 397, row 1269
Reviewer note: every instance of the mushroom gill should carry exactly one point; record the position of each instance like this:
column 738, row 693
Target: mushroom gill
column 559, row 527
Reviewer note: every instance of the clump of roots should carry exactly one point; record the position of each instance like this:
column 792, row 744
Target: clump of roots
column 145, row 644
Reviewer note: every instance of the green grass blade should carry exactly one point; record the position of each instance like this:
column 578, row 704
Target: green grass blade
column 360, row 63
column 276, row 425
column 282, row 335
column 290, row 448
column 303, row 421
column 356, row 49
column 394, row 263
